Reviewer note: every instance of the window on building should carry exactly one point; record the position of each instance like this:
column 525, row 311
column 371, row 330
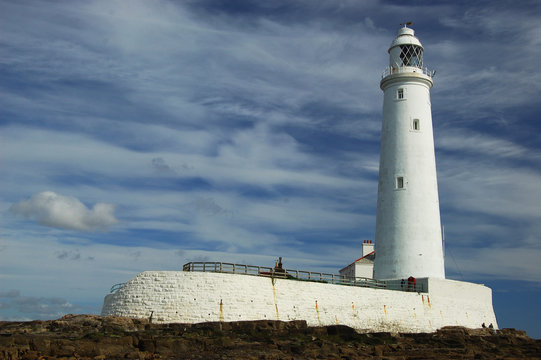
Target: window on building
column 400, row 182
column 416, row 125
column 400, row 94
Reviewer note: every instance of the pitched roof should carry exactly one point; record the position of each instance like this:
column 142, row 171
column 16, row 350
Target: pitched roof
column 369, row 257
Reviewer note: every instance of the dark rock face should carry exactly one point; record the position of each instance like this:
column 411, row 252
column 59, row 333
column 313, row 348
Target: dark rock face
column 96, row 337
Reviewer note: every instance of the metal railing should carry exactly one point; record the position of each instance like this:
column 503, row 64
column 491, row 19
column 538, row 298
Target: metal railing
column 407, row 69
column 116, row 287
column 418, row 285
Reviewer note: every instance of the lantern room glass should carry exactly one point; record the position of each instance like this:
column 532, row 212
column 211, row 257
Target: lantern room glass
column 411, row 55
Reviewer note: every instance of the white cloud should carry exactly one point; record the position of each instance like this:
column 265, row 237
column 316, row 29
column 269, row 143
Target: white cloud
column 491, row 188
column 486, row 145
column 67, row 212
column 513, row 263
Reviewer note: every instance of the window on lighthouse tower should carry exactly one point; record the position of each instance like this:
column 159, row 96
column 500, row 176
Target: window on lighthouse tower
column 416, row 125
column 399, row 182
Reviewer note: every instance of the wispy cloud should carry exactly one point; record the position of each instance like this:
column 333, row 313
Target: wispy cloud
column 161, row 166
column 509, row 262
column 485, row 145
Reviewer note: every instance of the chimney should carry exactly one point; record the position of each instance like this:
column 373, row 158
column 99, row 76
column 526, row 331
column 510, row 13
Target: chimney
column 368, row 247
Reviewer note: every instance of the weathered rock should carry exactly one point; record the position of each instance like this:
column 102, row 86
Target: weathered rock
column 97, row 337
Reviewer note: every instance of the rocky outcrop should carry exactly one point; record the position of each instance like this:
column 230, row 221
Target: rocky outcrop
column 97, row 337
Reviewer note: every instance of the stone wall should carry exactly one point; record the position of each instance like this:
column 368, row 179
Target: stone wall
column 193, row 297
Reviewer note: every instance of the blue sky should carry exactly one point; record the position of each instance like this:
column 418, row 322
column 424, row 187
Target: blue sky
column 142, row 135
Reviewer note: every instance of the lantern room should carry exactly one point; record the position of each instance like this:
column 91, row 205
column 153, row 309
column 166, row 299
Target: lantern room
column 406, row 50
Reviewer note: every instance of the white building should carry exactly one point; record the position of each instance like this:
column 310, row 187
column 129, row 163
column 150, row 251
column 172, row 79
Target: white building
column 408, row 230
column 363, row 266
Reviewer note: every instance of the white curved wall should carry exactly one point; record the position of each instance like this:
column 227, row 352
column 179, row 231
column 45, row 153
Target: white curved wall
column 193, row 297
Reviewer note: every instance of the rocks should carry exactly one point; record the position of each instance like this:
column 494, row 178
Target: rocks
column 97, row 337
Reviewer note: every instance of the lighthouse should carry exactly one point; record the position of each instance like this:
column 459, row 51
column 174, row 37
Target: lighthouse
column 408, row 243
column 408, row 229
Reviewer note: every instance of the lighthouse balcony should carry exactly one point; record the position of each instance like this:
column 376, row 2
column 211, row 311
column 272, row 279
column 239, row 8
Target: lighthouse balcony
column 407, row 69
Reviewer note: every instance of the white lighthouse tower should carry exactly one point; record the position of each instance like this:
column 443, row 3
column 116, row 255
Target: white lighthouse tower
column 408, row 229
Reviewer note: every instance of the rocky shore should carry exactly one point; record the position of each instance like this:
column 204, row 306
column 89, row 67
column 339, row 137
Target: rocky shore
column 96, row 337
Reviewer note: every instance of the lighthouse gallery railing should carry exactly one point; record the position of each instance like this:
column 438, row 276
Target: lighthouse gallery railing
column 418, row 285
column 407, row 69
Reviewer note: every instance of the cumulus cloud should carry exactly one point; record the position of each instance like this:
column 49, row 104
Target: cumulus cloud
column 65, row 212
